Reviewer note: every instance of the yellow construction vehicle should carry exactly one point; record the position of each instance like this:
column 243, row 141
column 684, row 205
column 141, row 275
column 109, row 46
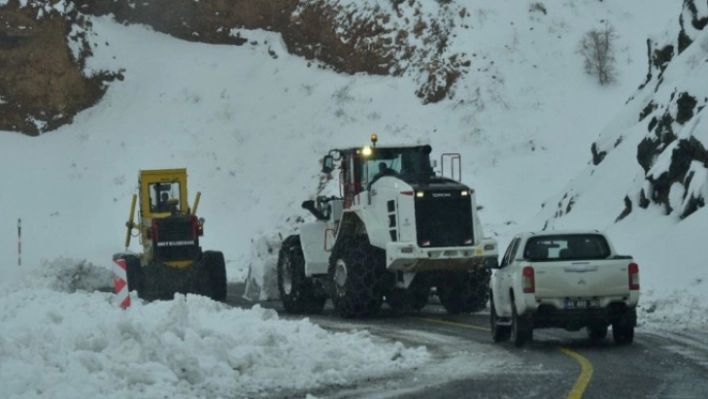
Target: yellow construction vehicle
column 172, row 260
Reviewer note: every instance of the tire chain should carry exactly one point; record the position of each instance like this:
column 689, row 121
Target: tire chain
column 366, row 277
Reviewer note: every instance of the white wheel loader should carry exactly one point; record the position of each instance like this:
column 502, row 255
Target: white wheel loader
column 396, row 231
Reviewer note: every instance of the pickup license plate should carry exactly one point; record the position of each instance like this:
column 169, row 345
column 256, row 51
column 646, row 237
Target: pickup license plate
column 580, row 303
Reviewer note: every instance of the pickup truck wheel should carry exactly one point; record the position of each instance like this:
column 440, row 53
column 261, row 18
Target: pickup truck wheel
column 357, row 275
column 622, row 333
column 499, row 333
column 597, row 333
column 296, row 290
column 521, row 329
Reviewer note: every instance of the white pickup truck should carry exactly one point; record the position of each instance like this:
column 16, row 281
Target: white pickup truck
column 563, row 279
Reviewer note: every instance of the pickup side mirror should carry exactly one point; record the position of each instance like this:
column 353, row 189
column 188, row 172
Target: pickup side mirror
column 327, row 164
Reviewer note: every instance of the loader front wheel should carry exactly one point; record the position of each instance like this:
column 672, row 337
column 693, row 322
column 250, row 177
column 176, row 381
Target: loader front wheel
column 357, row 276
column 216, row 275
column 296, row 290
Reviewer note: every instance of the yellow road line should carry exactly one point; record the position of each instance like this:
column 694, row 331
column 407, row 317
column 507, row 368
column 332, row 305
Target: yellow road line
column 452, row 323
column 585, row 374
column 585, row 366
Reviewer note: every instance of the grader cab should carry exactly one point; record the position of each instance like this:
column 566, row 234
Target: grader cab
column 172, row 261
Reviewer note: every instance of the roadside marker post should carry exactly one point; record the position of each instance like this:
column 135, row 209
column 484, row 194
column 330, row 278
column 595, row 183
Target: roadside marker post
column 19, row 242
column 120, row 280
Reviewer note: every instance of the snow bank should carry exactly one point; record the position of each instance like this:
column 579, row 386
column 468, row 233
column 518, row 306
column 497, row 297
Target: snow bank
column 60, row 341
column 262, row 279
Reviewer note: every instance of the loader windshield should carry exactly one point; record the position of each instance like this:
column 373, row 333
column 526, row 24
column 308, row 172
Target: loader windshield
column 408, row 162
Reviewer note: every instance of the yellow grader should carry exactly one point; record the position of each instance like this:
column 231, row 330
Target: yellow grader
column 172, row 260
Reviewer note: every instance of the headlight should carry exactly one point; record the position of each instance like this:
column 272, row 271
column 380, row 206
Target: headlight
column 366, row 151
column 465, row 193
column 419, row 194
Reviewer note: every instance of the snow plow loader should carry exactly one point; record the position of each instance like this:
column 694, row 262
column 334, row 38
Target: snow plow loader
column 395, row 232
column 172, row 260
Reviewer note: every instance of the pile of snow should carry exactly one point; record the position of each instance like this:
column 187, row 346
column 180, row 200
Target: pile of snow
column 672, row 309
column 262, row 279
column 69, row 275
column 81, row 345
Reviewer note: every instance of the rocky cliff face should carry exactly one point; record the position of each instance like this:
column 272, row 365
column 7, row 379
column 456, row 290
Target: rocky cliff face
column 673, row 155
column 43, row 85
column 672, row 151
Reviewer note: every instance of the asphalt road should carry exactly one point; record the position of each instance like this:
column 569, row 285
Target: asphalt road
column 556, row 364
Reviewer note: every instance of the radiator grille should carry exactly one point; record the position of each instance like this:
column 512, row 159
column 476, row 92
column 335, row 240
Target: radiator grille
column 444, row 220
column 176, row 240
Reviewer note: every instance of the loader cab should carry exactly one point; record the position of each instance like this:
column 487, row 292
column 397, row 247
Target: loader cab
column 361, row 167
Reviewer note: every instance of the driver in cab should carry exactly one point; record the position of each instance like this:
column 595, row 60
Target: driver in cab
column 384, row 170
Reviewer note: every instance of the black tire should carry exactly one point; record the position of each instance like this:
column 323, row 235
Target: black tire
column 596, row 332
column 464, row 292
column 478, row 290
column 215, row 267
column 499, row 333
column 133, row 272
column 521, row 329
column 357, row 275
column 297, row 292
column 622, row 333
column 406, row 300
column 418, row 299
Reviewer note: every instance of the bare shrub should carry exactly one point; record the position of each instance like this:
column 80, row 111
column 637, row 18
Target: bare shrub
column 538, row 7
column 598, row 50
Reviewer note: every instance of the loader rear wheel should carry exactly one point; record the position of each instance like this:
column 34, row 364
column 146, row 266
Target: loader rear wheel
column 357, row 276
column 466, row 292
column 406, row 300
column 477, row 290
column 296, row 290
column 215, row 267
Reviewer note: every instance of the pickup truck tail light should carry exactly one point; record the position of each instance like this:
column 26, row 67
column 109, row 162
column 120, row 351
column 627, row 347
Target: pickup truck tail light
column 528, row 281
column 633, row 277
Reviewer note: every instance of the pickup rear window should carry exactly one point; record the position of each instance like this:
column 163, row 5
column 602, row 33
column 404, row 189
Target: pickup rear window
column 566, row 247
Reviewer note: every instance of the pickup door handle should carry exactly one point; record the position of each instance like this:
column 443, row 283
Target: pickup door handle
column 580, row 268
